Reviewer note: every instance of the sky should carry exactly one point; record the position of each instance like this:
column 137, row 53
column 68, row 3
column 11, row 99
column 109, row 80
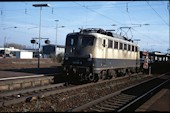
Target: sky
column 148, row 21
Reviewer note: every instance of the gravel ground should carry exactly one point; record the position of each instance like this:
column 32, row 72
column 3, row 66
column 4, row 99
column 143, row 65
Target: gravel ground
column 66, row 100
column 63, row 101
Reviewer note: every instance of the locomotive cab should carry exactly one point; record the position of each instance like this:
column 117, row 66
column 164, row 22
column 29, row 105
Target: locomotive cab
column 78, row 61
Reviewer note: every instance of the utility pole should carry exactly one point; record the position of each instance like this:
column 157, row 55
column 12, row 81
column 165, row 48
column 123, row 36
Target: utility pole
column 39, row 45
column 56, row 31
column 4, row 46
column 169, row 27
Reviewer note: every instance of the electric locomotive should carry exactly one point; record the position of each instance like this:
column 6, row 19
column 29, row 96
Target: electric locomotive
column 94, row 54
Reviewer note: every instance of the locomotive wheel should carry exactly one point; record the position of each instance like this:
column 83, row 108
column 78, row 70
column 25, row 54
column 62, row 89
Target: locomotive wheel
column 132, row 70
column 103, row 75
column 111, row 74
column 96, row 78
column 137, row 70
column 123, row 72
column 91, row 77
column 128, row 73
column 114, row 74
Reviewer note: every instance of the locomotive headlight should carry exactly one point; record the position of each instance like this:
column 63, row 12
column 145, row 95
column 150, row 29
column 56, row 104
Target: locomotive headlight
column 74, row 70
column 64, row 68
column 66, row 58
column 89, row 57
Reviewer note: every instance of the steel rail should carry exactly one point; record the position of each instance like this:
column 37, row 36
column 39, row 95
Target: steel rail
column 14, row 97
column 31, row 76
column 100, row 100
column 137, row 99
column 30, row 89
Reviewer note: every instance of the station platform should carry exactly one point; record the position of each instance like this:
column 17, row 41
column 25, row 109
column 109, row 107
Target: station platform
column 28, row 72
column 158, row 103
column 11, row 79
column 9, row 74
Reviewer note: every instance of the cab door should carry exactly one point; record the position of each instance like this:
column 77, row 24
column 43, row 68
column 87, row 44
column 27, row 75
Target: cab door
column 104, row 52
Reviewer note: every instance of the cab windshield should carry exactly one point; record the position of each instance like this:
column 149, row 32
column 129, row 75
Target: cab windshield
column 87, row 40
column 72, row 40
column 84, row 40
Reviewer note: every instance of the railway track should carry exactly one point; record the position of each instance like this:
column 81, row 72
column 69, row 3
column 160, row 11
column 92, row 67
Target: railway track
column 126, row 99
column 29, row 94
column 66, row 94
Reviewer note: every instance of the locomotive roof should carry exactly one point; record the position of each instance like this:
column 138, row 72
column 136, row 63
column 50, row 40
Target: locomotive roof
column 100, row 31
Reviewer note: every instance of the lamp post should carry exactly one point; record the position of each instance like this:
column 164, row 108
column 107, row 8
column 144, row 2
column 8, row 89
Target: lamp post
column 140, row 25
column 136, row 40
column 169, row 27
column 57, row 29
column 4, row 47
column 5, row 39
column 40, row 5
column 56, row 32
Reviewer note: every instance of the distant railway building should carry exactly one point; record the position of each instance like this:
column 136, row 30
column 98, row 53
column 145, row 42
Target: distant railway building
column 12, row 52
column 24, row 54
column 48, row 50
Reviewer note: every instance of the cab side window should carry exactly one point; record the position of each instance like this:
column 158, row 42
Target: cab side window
column 110, row 43
column 125, row 46
column 120, row 45
column 115, row 45
column 129, row 47
column 104, row 43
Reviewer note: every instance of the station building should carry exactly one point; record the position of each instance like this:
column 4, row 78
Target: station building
column 51, row 49
column 11, row 52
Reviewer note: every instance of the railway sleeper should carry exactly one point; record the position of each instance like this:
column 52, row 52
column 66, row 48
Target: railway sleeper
column 96, row 109
column 126, row 96
column 123, row 98
column 105, row 108
column 120, row 101
column 119, row 98
column 119, row 104
column 112, row 104
column 115, row 103
column 113, row 107
column 13, row 101
column 100, row 108
column 107, row 105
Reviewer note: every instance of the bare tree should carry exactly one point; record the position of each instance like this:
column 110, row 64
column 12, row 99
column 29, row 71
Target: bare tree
column 15, row 45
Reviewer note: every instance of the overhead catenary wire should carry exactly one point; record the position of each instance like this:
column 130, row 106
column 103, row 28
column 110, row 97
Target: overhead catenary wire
column 54, row 13
column 74, row 6
column 150, row 38
column 68, row 19
column 98, row 13
column 89, row 6
column 157, row 14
